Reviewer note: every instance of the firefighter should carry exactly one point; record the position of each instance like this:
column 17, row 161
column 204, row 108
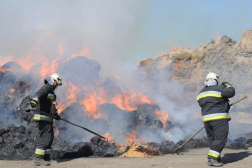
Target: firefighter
column 45, row 100
column 214, row 103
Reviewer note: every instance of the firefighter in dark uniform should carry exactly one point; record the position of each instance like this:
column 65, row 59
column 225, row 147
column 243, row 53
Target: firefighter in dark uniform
column 214, row 103
column 45, row 100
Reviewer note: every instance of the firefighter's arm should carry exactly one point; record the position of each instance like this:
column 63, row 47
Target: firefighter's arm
column 227, row 90
column 42, row 93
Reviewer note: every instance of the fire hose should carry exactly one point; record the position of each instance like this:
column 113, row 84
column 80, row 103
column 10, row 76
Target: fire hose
column 44, row 113
column 203, row 127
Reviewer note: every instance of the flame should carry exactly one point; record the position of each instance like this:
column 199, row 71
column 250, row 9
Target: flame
column 131, row 137
column 57, row 131
column 72, row 92
column 109, row 137
column 178, row 66
column 60, row 107
column 128, row 101
column 2, row 70
column 61, row 49
column 84, row 52
column 48, row 70
column 92, row 101
column 117, row 77
column 175, row 49
column 217, row 38
column 196, row 116
column 163, row 116
column 5, row 138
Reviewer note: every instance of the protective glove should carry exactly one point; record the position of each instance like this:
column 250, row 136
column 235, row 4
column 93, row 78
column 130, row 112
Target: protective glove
column 57, row 117
column 28, row 109
column 34, row 102
column 226, row 84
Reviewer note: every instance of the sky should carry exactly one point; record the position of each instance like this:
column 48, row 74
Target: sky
column 117, row 33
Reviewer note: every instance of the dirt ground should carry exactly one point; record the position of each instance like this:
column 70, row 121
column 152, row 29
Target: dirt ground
column 195, row 158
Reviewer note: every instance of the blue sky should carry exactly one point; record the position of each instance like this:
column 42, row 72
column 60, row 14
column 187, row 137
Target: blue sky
column 116, row 32
column 192, row 23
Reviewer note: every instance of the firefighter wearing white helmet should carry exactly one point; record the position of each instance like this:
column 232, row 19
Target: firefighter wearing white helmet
column 213, row 75
column 57, row 78
column 214, row 103
column 45, row 101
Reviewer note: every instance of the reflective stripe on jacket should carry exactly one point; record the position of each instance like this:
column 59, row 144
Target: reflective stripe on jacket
column 214, row 102
column 45, row 96
column 40, row 117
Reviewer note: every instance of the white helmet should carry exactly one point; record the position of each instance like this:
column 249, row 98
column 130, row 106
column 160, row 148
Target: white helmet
column 57, row 78
column 212, row 75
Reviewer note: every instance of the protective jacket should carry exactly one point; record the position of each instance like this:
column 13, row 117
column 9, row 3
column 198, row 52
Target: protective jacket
column 45, row 96
column 214, row 102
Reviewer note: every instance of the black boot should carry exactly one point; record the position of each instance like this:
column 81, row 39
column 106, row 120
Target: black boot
column 213, row 162
column 41, row 162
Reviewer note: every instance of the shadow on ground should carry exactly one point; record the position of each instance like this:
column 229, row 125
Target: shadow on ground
column 234, row 157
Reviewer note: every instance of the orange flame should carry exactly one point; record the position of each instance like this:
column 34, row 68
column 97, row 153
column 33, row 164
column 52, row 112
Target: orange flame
column 5, row 138
column 128, row 101
column 131, row 137
column 217, row 38
column 84, row 52
column 109, row 137
column 2, row 70
column 163, row 116
column 117, row 77
column 57, row 131
column 60, row 107
column 175, row 49
column 178, row 66
column 73, row 91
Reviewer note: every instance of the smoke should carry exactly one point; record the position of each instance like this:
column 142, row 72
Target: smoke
column 172, row 100
column 38, row 32
column 46, row 30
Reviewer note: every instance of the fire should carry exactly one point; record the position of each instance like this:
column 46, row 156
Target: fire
column 197, row 116
column 60, row 107
column 131, row 137
column 217, row 38
column 84, row 52
column 117, row 77
column 72, row 92
column 57, row 131
column 109, row 137
column 163, row 116
column 5, row 138
column 178, row 66
column 61, row 49
column 175, row 49
column 4, row 70
column 92, row 101
column 12, row 90
column 128, row 101
column 8, row 95
column 48, row 70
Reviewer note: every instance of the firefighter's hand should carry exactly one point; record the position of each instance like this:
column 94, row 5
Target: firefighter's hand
column 28, row 109
column 57, row 117
column 34, row 103
column 226, row 84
